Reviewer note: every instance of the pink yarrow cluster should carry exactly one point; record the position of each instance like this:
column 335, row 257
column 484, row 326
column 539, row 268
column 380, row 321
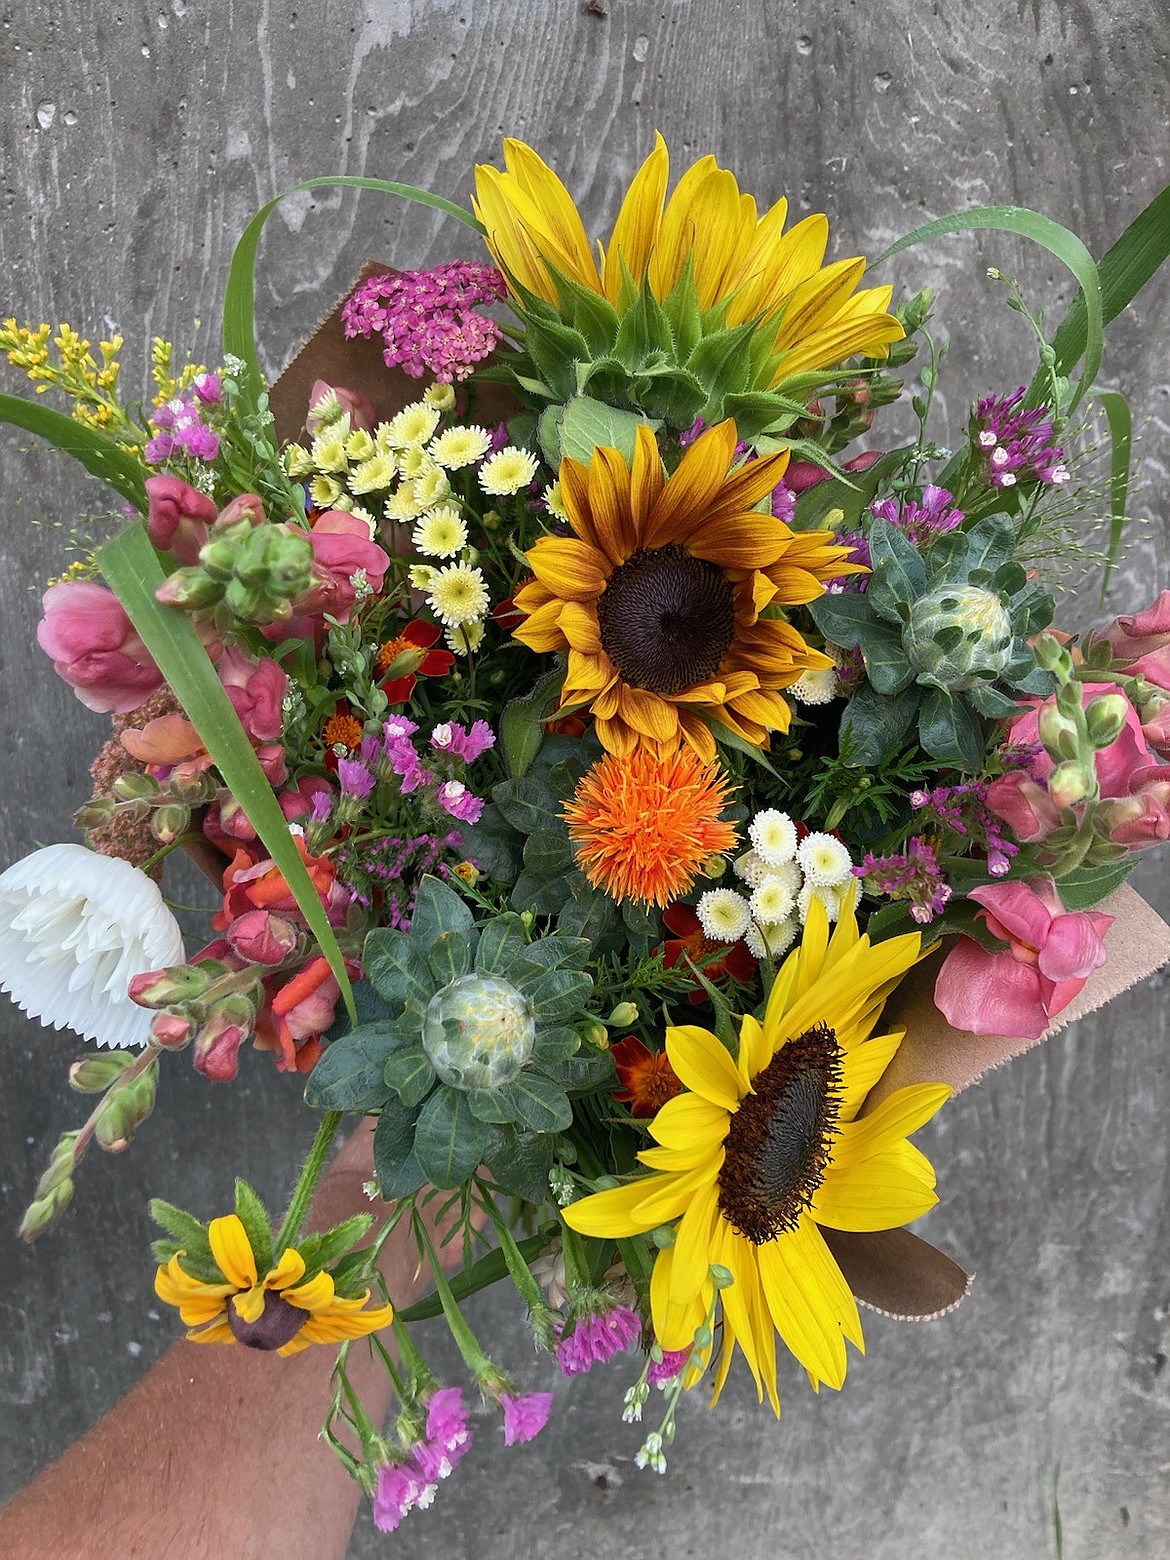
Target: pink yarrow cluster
column 429, row 319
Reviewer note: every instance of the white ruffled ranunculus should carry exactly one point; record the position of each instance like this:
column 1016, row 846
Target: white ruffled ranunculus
column 75, row 927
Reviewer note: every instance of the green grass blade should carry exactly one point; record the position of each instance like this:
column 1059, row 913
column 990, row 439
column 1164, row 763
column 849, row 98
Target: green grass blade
column 239, row 323
column 1120, row 420
column 96, row 451
column 131, row 568
column 1124, row 270
column 1050, row 235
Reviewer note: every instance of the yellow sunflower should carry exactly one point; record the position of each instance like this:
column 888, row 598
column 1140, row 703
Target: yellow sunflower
column 279, row 1311
column 659, row 594
column 737, row 257
column 763, row 1150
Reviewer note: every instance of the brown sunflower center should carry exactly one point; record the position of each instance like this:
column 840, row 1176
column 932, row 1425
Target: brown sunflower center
column 666, row 619
column 778, row 1145
column 277, row 1324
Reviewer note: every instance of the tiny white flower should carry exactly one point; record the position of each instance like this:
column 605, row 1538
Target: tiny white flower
column 458, row 594
column 824, row 860
column 328, row 451
column 457, row 447
column 554, row 500
column 414, row 425
column 723, row 914
column 360, row 445
column 374, row 475
column 439, row 396
column 507, row 471
column 773, row 834
column 403, row 503
column 441, row 532
column 432, row 487
column 816, row 687
column 773, row 899
column 465, row 637
column 75, row 927
column 771, row 938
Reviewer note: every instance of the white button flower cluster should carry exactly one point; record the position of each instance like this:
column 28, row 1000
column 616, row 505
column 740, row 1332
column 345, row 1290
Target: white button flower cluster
column 781, row 879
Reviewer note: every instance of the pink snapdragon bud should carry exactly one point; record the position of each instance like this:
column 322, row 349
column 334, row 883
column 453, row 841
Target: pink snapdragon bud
column 257, row 690
column 262, row 938
column 181, row 983
column 1024, row 805
column 178, row 517
column 342, row 547
column 1133, row 636
column 246, row 506
column 95, row 648
column 171, row 1031
column 217, row 1045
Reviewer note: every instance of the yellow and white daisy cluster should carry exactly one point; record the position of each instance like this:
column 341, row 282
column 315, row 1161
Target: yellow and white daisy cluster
column 400, row 474
column 782, row 878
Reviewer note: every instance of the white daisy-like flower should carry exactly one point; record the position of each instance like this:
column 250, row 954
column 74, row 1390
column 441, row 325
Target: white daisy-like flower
column 830, row 898
column 554, row 501
column 507, row 471
column 458, row 594
column 749, row 868
column 465, row 638
column 457, row 447
column 440, row 396
column 360, row 445
column 440, row 533
column 325, row 491
column 403, row 503
column 75, row 927
column 415, row 463
column 432, row 487
column 421, row 575
column 824, row 860
column 773, row 835
column 373, row 475
column 816, row 687
column 414, row 425
column 771, row 938
column 723, row 914
column 297, row 461
column 773, row 899
column 328, row 451
column 326, row 409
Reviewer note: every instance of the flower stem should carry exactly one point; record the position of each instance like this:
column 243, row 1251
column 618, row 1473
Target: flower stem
column 466, row 1342
column 307, row 1184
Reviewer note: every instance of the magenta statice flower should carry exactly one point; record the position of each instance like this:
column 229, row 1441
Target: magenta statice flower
column 180, row 429
column 321, row 806
column 845, row 584
column 454, row 798
column 668, row 1367
column 448, row 1435
column 784, row 503
column 525, row 1415
column 208, row 388
column 466, row 744
column 912, row 874
column 596, row 1338
column 921, row 522
column 1016, row 442
column 401, row 1487
column 429, row 320
column 355, row 778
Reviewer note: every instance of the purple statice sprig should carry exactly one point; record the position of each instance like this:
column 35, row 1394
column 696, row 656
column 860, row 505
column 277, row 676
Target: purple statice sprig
column 1016, row 444
column 429, row 320
column 913, row 874
column 921, row 522
column 179, row 426
column 963, row 809
column 595, row 1337
column 846, row 584
column 411, row 1482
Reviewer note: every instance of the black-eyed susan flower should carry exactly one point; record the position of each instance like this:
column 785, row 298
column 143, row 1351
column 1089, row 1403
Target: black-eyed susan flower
column 740, row 262
column 283, row 1310
column 659, row 596
column 766, row 1148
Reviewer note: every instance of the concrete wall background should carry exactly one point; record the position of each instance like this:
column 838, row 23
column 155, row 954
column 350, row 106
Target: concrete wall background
column 135, row 142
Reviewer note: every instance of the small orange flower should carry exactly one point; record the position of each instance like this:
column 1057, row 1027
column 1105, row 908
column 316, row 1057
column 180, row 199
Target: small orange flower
column 647, row 1078
column 342, row 730
column 644, row 825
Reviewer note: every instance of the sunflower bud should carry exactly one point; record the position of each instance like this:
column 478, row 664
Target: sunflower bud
column 478, row 1032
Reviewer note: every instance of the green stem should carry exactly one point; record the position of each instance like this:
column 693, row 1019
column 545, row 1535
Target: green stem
column 520, row 1272
column 307, row 1184
column 164, row 851
column 466, row 1342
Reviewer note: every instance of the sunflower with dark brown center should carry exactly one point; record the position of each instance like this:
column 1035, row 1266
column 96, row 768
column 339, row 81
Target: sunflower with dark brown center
column 666, row 596
column 769, row 1147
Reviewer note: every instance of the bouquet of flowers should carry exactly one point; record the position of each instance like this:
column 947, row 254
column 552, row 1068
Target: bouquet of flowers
column 646, row 807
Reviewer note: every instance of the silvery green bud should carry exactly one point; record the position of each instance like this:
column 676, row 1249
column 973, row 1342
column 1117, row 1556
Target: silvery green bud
column 44, row 1212
column 133, row 786
column 1070, row 783
column 169, row 821
column 1057, row 732
column 478, row 1032
column 623, row 1015
column 958, row 636
column 95, row 814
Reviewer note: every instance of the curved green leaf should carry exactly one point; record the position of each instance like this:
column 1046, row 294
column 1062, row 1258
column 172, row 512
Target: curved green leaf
column 1120, row 420
column 489, row 1269
column 239, row 303
column 96, row 451
column 131, row 569
column 1059, row 241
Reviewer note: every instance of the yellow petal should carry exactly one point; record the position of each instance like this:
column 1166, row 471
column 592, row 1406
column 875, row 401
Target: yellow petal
column 692, row 1245
column 287, row 1271
column 689, row 1120
column 314, row 1295
column 249, row 1304
column 572, row 569
column 880, row 1193
column 232, row 1252
column 703, row 1065
column 861, row 1068
column 803, row 1311
column 672, row 1194
column 674, row 1325
column 891, row 1122
column 754, row 1051
column 636, row 228
column 612, row 1212
column 220, row 1332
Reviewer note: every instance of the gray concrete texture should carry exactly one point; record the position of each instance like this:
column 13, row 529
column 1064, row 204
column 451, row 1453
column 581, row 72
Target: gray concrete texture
column 137, row 140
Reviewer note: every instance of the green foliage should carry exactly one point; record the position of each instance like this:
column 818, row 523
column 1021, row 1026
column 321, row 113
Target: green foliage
column 96, row 451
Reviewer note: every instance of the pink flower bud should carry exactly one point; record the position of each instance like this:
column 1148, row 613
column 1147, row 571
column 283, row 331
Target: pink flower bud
column 178, row 517
column 257, row 690
column 1024, row 806
column 262, row 938
column 248, row 506
column 171, row 1031
column 342, row 545
column 95, row 648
